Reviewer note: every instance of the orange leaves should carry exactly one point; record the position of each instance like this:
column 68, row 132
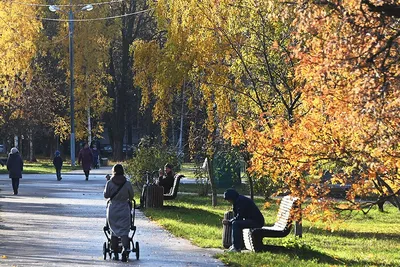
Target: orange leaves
column 250, row 69
column 266, row 205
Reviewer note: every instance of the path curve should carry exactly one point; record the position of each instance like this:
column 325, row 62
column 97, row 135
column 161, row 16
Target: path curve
column 53, row 223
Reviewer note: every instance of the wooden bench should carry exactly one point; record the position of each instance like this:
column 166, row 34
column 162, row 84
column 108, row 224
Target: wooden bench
column 253, row 237
column 174, row 190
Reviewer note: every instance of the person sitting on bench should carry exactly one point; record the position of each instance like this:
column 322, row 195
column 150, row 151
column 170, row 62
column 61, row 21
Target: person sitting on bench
column 166, row 179
column 246, row 215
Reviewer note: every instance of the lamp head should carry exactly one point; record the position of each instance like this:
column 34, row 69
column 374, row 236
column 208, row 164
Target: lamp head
column 53, row 8
column 87, row 8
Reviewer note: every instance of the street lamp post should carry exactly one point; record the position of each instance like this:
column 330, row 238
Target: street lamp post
column 54, row 8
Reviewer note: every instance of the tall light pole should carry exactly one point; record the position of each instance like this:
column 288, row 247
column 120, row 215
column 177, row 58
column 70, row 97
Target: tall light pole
column 55, row 8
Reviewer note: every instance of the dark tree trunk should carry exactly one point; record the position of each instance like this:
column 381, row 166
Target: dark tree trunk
column 132, row 28
column 212, row 183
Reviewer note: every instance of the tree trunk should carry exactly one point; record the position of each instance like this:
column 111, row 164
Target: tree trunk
column 89, row 125
column 180, row 147
column 250, row 180
column 118, row 123
column 212, row 182
column 30, row 146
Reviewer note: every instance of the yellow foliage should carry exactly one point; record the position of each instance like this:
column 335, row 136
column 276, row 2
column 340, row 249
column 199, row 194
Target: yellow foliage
column 293, row 86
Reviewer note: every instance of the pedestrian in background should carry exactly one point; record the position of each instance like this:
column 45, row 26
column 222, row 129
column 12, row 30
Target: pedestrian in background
column 86, row 157
column 15, row 166
column 95, row 153
column 58, row 162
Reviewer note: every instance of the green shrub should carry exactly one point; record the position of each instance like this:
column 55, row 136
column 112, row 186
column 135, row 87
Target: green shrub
column 150, row 159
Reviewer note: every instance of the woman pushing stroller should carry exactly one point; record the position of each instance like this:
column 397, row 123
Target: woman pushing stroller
column 119, row 192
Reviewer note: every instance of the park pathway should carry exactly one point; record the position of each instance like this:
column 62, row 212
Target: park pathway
column 53, row 223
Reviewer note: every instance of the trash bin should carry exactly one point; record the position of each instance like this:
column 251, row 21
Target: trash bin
column 226, row 168
column 227, row 230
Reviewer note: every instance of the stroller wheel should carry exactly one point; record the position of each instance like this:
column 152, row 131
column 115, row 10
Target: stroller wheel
column 137, row 250
column 104, row 251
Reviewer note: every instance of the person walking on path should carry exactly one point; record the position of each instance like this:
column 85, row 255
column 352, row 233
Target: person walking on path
column 58, row 162
column 246, row 215
column 119, row 192
column 86, row 157
column 15, row 166
column 95, row 153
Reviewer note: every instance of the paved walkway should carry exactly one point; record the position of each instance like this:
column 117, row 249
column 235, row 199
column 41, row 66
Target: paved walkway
column 107, row 170
column 53, row 223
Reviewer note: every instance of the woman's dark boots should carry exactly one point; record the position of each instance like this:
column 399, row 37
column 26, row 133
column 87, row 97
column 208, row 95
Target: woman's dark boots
column 125, row 255
column 116, row 256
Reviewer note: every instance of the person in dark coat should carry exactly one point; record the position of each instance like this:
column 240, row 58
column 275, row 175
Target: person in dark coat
column 58, row 162
column 15, row 166
column 166, row 179
column 246, row 215
column 86, row 157
column 95, row 153
column 119, row 192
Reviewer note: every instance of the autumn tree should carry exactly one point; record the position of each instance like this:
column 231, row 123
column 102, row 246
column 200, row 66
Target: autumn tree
column 137, row 25
column 92, row 38
column 298, row 85
column 234, row 52
column 348, row 56
column 17, row 48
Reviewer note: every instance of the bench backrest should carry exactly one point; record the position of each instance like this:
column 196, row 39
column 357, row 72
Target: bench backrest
column 174, row 190
column 284, row 219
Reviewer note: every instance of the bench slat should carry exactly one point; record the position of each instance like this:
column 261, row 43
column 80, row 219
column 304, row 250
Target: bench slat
column 174, row 190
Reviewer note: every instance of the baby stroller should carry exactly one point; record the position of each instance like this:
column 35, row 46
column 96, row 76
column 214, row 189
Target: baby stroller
column 134, row 245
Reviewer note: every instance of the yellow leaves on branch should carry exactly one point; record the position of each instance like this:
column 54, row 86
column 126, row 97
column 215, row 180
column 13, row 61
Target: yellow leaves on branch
column 19, row 33
column 347, row 116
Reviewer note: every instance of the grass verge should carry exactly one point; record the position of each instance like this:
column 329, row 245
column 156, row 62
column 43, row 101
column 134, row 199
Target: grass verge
column 39, row 167
column 372, row 240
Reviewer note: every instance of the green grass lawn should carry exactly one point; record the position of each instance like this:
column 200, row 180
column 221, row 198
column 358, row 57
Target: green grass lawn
column 188, row 169
column 372, row 240
column 45, row 166
column 40, row 167
column 195, row 188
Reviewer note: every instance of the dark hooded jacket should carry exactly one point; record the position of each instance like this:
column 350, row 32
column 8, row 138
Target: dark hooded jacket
column 57, row 161
column 15, row 165
column 119, row 207
column 243, row 207
column 167, row 182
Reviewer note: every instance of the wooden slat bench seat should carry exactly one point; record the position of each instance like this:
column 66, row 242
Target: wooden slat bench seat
column 253, row 237
column 174, row 190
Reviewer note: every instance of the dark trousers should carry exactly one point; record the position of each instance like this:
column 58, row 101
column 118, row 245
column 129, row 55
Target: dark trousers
column 237, row 231
column 125, row 243
column 143, row 196
column 15, row 184
column 86, row 174
column 58, row 173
